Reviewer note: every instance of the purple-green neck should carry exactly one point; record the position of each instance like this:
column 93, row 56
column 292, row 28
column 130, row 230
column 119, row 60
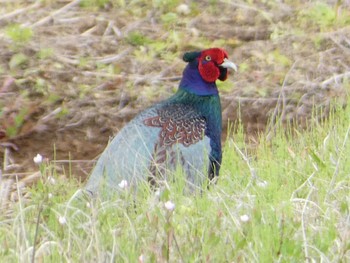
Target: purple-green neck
column 194, row 83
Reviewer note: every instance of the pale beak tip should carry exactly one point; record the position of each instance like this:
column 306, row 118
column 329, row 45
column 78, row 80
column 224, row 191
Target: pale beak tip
column 234, row 67
column 229, row 64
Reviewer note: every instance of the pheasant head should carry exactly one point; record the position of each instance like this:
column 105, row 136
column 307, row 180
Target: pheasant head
column 204, row 68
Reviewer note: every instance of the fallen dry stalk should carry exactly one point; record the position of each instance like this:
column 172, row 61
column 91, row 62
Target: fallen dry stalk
column 51, row 16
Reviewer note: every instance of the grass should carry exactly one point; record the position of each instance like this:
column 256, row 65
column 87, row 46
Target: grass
column 287, row 201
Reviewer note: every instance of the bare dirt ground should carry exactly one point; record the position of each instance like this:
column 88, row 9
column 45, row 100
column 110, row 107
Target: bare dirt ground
column 75, row 74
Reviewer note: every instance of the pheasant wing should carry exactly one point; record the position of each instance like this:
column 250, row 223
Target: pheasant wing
column 179, row 123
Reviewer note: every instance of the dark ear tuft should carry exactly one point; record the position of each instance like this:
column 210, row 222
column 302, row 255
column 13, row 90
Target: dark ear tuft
column 190, row 56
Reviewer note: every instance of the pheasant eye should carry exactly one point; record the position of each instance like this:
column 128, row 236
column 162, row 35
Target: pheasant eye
column 207, row 58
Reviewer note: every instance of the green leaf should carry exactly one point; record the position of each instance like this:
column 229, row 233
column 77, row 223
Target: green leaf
column 225, row 85
column 18, row 60
column 136, row 38
column 11, row 131
column 243, row 67
column 94, row 3
column 19, row 34
column 316, row 158
column 169, row 18
column 45, row 53
column 19, row 118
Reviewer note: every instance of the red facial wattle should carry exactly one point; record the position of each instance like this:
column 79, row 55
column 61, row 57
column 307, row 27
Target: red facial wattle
column 209, row 64
column 208, row 70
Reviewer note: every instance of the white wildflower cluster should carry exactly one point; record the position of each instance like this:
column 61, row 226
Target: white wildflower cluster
column 244, row 218
column 141, row 258
column 62, row 220
column 262, row 184
column 170, row 206
column 183, row 9
column 38, row 159
column 123, row 184
column 51, row 180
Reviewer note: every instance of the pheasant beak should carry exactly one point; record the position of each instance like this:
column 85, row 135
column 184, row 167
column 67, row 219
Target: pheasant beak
column 228, row 64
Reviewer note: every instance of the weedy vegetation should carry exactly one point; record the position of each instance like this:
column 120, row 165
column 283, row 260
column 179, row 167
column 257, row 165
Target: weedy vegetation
column 286, row 200
column 73, row 72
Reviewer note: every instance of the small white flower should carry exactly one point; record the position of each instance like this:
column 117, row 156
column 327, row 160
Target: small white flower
column 244, row 218
column 170, row 206
column 262, row 184
column 50, row 195
column 62, row 220
column 123, row 184
column 51, row 180
column 157, row 193
column 38, row 159
column 183, row 9
column 88, row 205
column 141, row 258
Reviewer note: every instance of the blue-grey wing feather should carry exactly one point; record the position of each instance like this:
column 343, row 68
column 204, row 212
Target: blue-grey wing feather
column 130, row 154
